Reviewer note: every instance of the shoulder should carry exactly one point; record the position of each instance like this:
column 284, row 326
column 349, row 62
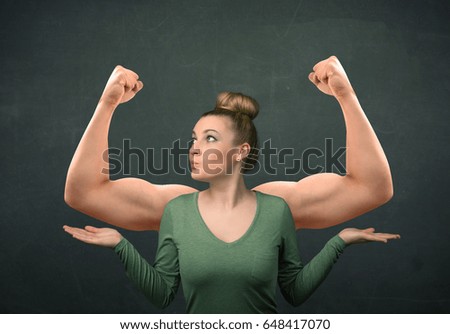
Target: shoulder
column 275, row 215
column 274, row 206
column 269, row 199
column 178, row 211
column 180, row 204
column 181, row 201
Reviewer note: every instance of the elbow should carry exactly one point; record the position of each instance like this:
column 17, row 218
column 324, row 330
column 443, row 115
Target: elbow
column 295, row 302
column 71, row 200
column 386, row 191
column 382, row 193
column 77, row 191
column 295, row 298
column 69, row 197
column 388, row 188
column 162, row 302
column 388, row 194
column 162, row 306
column 72, row 195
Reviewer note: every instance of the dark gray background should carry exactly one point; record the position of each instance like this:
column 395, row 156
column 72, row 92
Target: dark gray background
column 56, row 57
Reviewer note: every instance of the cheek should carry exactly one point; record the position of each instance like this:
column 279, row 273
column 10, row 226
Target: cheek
column 224, row 156
column 216, row 160
column 213, row 162
column 231, row 155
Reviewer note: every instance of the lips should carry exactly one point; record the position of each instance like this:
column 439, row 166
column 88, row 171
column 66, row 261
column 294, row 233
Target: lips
column 194, row 166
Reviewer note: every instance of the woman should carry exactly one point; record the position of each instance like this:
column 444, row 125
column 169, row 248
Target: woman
column 228, row 245
column 316, row 201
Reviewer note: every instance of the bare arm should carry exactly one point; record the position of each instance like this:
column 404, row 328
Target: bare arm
column 130, row 203
column 328, row 199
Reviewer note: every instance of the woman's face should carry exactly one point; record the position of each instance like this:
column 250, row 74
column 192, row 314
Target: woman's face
column 213, row 152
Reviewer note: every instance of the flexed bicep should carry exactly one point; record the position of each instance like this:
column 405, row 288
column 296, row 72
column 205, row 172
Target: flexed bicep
column 130, row 203
column 328, row 199
column 321, row 200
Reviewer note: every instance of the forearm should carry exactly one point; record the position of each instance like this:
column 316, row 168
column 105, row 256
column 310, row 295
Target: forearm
column 160, row 290
column 90, row 164
column 366, row 163
column 299, row 287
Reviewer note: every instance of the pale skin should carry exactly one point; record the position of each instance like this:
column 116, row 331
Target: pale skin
column 213, row 138
column 109, row 237
column 316, row 201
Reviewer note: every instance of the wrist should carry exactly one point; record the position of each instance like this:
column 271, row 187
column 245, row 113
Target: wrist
column 347, row 95
column 337, row 243
column 344, row 238
column 119, row 244
column 108, row 104
column 118, row 240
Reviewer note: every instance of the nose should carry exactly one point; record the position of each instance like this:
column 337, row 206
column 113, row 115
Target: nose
column 194, row 149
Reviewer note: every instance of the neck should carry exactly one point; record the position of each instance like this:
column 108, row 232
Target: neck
column 227, row 193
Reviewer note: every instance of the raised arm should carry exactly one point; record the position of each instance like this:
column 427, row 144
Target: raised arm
column 328, row 199
column 130, row 203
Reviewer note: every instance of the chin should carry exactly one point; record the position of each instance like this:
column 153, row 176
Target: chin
column 202, row 176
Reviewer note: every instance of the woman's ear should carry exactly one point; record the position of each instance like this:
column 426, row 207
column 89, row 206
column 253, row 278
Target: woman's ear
column 244, row 151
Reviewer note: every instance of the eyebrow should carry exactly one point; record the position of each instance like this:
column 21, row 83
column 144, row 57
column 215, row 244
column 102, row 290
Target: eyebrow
column 193, row 132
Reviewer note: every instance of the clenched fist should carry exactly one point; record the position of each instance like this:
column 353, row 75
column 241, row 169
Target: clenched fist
column 329, row 76
column 122, row 86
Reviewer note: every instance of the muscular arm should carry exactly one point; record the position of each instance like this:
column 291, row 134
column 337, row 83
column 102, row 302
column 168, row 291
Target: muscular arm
column 328, row 199
column 130, row 203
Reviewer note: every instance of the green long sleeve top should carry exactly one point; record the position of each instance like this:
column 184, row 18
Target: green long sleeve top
column 221, row 277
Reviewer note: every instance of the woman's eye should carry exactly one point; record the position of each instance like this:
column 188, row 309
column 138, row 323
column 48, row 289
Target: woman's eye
column 207, row 138
column 191, row 142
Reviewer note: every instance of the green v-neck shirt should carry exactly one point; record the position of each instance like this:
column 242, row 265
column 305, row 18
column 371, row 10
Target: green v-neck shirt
column 220, row 277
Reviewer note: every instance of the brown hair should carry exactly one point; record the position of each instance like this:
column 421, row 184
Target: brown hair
column 241, row 109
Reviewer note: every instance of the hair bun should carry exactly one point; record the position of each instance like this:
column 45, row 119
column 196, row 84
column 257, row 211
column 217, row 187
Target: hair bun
column 238, row 102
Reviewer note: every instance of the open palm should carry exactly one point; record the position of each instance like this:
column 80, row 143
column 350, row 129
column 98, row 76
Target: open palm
column 105, row 237
column 357, row 236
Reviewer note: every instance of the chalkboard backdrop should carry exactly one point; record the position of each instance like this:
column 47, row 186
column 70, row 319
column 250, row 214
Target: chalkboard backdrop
column 56, row 57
